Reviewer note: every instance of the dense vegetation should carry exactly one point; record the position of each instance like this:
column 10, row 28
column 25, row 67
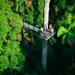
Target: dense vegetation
column 20, row 53
column 11, row 54
column 34, row 14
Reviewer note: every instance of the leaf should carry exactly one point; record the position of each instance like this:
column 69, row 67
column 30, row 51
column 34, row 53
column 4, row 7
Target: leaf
column 63, row 39
column 68, row 18
column 4, row 62
column 52, row 41
column 61, row 31
column 72, row 26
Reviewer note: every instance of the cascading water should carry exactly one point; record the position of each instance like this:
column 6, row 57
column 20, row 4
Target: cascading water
column 44, row 54
column 46, row 33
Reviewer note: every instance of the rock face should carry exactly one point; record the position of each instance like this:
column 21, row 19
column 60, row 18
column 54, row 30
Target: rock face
column 44, row 34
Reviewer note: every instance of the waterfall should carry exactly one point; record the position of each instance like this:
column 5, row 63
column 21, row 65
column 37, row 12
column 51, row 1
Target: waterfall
column 44, row 54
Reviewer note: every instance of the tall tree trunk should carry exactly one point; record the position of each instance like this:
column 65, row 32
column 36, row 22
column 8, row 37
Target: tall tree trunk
column 46, row 13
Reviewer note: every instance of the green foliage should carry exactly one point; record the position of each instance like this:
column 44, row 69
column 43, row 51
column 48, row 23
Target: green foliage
column 3, row 62
column 64, row 18
column 68, row 17
column 34, row 14
column 19, row 5
column 29, row 15
column 41, row 11
column 52, row 41
column 61, row 31
column 60, row 56
column 11, row 55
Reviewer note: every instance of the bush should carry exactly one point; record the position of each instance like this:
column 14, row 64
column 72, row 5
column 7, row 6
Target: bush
column 11, row 55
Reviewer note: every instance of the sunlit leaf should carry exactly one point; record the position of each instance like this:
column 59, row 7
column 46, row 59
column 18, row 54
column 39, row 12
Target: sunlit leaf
column 61, row 31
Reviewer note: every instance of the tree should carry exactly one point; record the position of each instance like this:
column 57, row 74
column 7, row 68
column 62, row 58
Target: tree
column 62, row 17
column 11, row 56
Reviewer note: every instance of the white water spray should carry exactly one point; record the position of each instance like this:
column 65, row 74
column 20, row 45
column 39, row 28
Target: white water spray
column 44, row 54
